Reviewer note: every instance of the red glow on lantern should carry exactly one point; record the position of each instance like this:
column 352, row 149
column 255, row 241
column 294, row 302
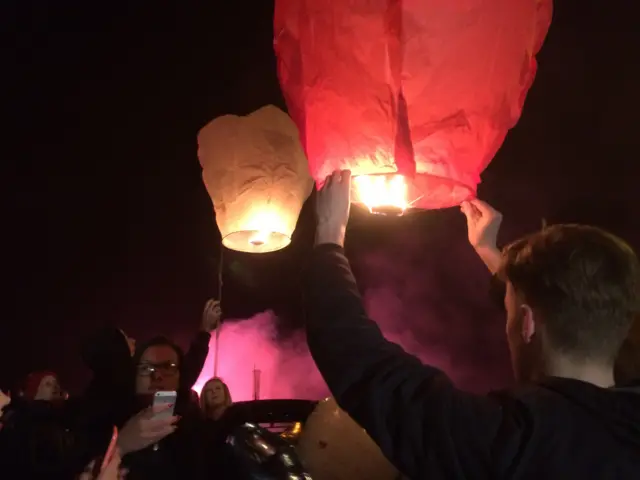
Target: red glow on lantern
column 422, row 89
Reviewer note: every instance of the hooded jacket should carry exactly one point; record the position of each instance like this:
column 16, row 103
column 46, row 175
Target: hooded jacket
column 557, row 429
column 109, row 397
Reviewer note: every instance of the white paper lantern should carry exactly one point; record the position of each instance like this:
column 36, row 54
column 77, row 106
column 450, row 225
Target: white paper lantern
column 256, row 173
column 333, row 446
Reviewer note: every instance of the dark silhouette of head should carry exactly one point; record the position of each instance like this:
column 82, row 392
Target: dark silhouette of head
column 572, row 294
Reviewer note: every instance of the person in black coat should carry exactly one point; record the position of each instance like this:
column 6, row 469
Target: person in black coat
column 160, row 366
column 572, row 294
column 113, row 397
column 35, row 443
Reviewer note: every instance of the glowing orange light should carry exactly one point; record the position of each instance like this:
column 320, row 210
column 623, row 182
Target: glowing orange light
column 259, row 238
column 256, row 173
column 381, row 193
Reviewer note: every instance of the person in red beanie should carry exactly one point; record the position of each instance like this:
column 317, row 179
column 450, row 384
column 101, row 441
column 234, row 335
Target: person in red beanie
column 42, row 386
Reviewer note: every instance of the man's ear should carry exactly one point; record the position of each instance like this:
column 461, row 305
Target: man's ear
column 528, row 323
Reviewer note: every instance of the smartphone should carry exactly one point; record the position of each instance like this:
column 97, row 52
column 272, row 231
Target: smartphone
column 101, row 463
column 165, row 398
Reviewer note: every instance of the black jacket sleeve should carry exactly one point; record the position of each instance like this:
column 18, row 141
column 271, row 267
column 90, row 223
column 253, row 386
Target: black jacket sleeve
column 194, row 359
column 424, row 425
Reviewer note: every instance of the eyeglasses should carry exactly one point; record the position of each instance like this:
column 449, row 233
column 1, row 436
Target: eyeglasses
column 167, row 369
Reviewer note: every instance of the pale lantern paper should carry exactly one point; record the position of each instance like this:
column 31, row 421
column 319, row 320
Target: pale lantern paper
column 333, row 446
column 256, row 173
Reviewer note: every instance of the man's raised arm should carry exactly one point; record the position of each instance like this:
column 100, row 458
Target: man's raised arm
column 423, row 424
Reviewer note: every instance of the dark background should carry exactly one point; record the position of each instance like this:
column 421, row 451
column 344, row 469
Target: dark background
column 105, row 218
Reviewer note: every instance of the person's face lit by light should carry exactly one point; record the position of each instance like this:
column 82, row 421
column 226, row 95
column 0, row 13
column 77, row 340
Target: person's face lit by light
column 49, row 389
column 215, row 394
column 158, row 370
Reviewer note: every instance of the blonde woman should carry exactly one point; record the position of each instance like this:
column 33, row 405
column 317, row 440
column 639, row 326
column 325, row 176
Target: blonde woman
column 215, row 398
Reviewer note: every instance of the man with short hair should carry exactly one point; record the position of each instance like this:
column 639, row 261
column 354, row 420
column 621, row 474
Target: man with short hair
column 572, row 293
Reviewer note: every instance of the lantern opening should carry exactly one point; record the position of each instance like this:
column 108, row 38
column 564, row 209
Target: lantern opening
column 382, row 194
column 259, row 238
column 256, row 241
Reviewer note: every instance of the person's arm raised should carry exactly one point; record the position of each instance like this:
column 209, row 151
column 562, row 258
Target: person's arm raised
column 422, row 423
column 196, row 356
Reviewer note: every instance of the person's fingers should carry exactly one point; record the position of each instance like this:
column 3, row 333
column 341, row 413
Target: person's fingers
column 160, row 408
column 158, row 434
column 148, row 413
column 345, row 176
column 470, row 211
column 327, row 183
column 484, row 208
column 157, row 424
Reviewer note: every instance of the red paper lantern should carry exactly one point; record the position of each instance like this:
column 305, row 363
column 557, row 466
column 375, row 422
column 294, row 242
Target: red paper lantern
column 414, row 96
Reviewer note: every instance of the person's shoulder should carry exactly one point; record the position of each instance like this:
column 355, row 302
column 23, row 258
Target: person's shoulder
column 521, row 391
column 522, row 398
column 557, row 393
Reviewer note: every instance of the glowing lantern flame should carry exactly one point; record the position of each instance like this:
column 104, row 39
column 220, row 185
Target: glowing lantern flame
column 381, row 193
column 259, row 238
column 257, row 176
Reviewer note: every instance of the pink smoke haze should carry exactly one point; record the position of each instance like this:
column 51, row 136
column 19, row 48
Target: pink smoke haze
column 429, row 293
column 287, row 370
column 431, row 299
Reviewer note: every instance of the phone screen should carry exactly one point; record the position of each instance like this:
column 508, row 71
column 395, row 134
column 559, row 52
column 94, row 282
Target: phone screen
column 165, row 398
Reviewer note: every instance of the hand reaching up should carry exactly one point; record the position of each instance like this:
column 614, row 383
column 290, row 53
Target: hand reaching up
column 211, row 315
column 332, row 208
column 483, row 225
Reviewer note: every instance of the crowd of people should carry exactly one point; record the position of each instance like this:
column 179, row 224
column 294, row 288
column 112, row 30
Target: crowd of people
column 571, row 295
column 45, row 434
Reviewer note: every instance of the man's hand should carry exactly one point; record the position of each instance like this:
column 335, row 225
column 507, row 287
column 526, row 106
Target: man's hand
column 211, row 315
column 332, row 208
column 143, row 430
column 483, row 225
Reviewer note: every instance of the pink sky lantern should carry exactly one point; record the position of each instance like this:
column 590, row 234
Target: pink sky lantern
column 414, row 96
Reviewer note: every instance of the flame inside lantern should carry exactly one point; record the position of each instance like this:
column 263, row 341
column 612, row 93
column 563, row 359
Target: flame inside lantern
column 386, row 194
column 265, row 231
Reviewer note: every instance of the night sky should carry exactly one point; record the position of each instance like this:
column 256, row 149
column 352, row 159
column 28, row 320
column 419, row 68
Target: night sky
column 106, row 219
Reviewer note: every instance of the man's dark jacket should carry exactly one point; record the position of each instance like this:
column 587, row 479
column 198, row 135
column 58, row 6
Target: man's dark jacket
column 556, row 429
